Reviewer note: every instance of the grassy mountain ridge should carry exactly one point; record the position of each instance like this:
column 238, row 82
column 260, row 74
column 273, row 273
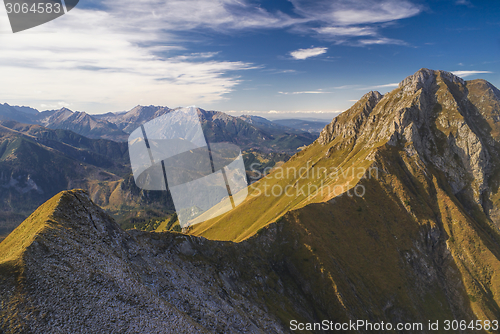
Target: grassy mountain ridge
column 393, row 217
column 422, row 241
column 298, row 174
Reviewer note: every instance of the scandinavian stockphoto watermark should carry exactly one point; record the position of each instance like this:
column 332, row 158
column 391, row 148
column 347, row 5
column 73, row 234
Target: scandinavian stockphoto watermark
column 26, row 14
column 309, row 181
column 205, row 179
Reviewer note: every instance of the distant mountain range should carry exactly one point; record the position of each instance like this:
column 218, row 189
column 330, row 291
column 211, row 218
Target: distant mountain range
column 65, row 119
column 36, row 163
column 393, row 217
column 303, row 125
column 247, row 131
column 67, row 149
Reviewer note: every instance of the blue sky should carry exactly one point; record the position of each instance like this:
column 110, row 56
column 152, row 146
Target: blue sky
column 277, row 59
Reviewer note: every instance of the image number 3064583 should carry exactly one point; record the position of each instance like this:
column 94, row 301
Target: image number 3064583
column 27, row 14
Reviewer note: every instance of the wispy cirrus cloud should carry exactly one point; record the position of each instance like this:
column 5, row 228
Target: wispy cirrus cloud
column 464, row 74
column 184, row 15
column 125, row 52
column 390, row 85
column 354, row 12
column 381, row 40
column 91, row 59
column 308, row 53
column 346, row 31
column 305, row 92
column 343, row 20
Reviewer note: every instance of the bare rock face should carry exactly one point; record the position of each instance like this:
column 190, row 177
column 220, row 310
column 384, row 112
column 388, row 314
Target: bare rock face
column 82, row 274
column 450, row 123
column 348, row 124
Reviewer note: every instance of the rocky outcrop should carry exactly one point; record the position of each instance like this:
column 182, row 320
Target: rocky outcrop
column 433, row 114
column 348, row 124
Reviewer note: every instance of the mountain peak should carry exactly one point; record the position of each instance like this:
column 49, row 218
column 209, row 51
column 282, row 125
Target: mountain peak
column 373, row 94
column 425, row 77
column 64, row 109
column 349, row 122
column 68, row 210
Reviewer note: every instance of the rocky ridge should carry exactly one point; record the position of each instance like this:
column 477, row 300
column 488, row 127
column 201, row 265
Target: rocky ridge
column 433, row 115
column 70, row 268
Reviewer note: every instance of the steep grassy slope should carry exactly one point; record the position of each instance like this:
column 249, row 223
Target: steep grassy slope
column 421, row 240
column 312, row 175
column 13, row 247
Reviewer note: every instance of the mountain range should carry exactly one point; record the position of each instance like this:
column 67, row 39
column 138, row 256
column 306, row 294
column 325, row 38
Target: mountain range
column 250, row 132
column 391, row 215
column 67, row 150
column 36, row 163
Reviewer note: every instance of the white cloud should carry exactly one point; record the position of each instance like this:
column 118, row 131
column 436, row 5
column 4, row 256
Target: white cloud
column 464, row 74
column 380, row 86
column 89, row 59
column 339, row 34
column 58, row 105
column 346, row 87
column 305, row 92
column 129, row 52
column 344, row 20
column 181, row 15
column 382, row 40
column 307, row 53
column 355, row 12
column 347, row 31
